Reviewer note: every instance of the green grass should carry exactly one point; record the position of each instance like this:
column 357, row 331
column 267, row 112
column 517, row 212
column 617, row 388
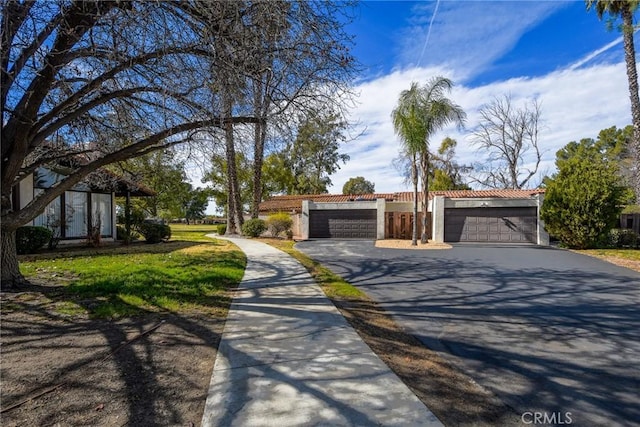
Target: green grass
column 191, row 273
column 334, row 286
column 192, row 233
column 631, row 254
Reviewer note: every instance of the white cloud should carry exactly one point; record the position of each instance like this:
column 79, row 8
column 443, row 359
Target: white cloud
column 465, row 36
column 576, row 103
column 595, row 54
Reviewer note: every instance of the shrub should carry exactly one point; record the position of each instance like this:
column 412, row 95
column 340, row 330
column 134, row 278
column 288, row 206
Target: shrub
column 254, row 227
column 55, row 224
column 278, row 223
column 621, row 238
column 628, row 239
column 136, row 216
column 121, row 234
column 94, row 233
column 582, row 201
column 155, row 233
column 29, row 239
column 222, row 229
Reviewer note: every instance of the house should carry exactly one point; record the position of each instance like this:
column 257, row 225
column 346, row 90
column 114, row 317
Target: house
column 505, row 216
column 88, row 203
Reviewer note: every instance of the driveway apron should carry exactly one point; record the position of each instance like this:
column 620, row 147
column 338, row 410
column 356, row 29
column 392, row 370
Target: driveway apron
column 289, row 358
column 553, row 333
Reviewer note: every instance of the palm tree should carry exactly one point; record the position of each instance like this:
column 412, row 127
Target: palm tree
column 409, row 126
column 421, row 112
column 625, row 9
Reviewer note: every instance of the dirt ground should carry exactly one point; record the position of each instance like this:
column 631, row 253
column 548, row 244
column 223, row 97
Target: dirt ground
column 622, row 262
column 61, row 370
column 406, row 244
column 455, row 398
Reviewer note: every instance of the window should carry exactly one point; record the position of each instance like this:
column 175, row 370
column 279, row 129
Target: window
column 101, row 210
column 76, row 213
column 50, row 217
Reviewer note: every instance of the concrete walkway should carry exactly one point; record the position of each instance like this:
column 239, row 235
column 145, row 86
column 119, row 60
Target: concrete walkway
column 289, row 358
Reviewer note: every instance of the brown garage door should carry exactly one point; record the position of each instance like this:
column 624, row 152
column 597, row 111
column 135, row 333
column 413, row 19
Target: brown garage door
column 343, row 224
column 515, row 225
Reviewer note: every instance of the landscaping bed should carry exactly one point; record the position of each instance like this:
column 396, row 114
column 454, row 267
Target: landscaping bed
column 629, row 258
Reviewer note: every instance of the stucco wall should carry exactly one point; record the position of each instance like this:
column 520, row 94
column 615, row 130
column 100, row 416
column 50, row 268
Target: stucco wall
column 399, row 207
column 436, row 206
column 489, row 203
column 26, row 191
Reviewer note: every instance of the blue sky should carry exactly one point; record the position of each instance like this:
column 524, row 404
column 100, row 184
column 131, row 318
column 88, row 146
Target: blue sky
column 496, row 40
column 553, row 51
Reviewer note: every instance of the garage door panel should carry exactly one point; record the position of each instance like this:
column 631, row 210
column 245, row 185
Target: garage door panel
column 516, row 225
column 344, row 224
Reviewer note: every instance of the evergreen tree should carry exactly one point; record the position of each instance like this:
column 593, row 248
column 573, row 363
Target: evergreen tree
column 584, row 198
column 358, row 185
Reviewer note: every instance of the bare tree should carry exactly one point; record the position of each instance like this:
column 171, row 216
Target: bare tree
column 105, row 80
column 303, row 64
column 286, row 58
column 118, row 79
column 508, row 136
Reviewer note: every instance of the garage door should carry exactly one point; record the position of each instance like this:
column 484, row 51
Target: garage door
column 516, row 225
column 343, row 224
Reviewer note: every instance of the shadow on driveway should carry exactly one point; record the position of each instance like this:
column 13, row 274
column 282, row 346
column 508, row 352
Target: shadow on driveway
column 547, row 330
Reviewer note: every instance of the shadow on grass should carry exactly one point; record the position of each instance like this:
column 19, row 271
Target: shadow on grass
column 161, row 378
column 121, row 281
column 113, row 249
column 150, row 381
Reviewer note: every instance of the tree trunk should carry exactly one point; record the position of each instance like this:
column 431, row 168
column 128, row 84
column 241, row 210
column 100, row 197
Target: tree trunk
column 231, row 222
column 258, row 157
column 632, row 75
column 424, row 166
column 11, row 276
column 260, row 136
column 234, row 219
column 414, row 179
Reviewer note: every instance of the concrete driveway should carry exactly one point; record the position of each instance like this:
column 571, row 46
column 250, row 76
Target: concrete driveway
column 555, row 334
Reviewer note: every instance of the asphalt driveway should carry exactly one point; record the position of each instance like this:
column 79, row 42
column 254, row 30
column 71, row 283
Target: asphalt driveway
column 555, row 334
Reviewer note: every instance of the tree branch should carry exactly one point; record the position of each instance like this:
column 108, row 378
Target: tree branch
column 131, row 151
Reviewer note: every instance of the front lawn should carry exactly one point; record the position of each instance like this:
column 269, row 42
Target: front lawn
column 117, row 335
column 190, row 273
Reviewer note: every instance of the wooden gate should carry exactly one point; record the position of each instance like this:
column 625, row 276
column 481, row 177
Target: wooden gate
column 399, row 225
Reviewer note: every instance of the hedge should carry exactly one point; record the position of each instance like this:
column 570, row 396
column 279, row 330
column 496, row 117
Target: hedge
column 253, row 227
column 29, row 238
column 278, row 223
column 155, row 233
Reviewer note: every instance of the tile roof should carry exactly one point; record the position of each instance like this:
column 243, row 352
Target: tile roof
column 289, row 203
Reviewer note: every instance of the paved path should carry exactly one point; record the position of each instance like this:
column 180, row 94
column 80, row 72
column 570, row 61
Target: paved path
column 289, row 358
